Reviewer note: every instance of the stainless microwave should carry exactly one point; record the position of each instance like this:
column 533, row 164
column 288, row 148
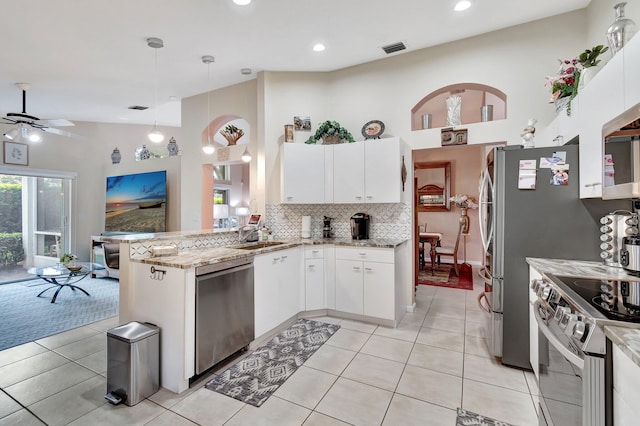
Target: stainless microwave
column 621, row 171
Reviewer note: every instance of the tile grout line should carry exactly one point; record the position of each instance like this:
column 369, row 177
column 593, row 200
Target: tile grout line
column 23, row 407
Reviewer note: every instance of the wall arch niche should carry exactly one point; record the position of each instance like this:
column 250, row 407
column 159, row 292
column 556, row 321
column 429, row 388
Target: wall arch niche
column 237, row 181
column 474, row 97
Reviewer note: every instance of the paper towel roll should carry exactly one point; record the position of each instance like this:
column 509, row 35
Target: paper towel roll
column 306, row 227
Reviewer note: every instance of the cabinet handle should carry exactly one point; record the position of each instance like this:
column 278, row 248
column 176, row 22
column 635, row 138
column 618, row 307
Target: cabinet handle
column 275, row 259
column 369, row 197
column 362, row 254
column 315, row 251
column 356, row 268
column 283, row 258
column 312, row 266
column 368, row 269
column 358, row 198
column 592, row 184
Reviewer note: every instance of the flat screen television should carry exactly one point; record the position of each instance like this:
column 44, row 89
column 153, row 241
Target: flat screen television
column 136, row 203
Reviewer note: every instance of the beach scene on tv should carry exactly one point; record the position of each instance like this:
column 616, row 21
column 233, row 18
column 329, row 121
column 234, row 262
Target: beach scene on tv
column 136, row 203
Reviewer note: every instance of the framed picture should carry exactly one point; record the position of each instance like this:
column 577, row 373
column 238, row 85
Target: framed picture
column 302, row 123
column 450, row 136
column 288, row 132
column 16, row 153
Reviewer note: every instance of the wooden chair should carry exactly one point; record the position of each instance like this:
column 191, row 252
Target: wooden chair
column 421, row 248
column 442, row 251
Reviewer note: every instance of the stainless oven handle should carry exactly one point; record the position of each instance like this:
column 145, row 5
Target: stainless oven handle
column 554, row 341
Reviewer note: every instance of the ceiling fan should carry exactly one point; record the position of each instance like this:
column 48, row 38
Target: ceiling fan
column 28, row 127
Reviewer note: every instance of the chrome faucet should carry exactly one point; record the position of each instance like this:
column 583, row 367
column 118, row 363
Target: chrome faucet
column 248, row 233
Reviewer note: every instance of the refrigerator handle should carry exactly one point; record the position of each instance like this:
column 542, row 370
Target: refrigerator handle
column 485, row 184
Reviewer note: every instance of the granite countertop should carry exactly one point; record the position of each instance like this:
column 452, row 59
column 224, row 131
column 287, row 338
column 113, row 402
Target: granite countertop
column 627, row 339
column 160, row 236
column 206, row 256
column 580, row 269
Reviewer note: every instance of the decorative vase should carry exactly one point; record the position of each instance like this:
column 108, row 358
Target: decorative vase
column 116, row 156
column 331, row 140
column 586, row 75
column 464, row 220
column 562, row 103
column 145, row 154
column 621, row 31
column 454, row 103
column 172, row 147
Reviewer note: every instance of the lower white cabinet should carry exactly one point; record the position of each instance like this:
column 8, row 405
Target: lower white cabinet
column 314, row 284
column 277, row 278
column 349, row 282
column 626, row 376
column 365, row 281
column 314, row 292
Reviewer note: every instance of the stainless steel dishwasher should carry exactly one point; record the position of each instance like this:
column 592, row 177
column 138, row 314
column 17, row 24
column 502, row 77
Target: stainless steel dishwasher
column 224, row 310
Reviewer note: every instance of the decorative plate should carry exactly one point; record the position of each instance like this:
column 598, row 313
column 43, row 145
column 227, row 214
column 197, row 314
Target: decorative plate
column 373, row 129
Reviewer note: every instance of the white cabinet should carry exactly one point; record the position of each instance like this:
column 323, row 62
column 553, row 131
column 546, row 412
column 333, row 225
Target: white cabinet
column 277, row 278
column 600, row 101
column 626, row 394
column 631, row 66
column 348, row 173
column 365, row 281
column 314, row 278
column 368, row 171
column 303, row 173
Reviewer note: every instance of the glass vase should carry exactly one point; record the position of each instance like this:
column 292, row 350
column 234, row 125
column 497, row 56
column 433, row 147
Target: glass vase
column 621, row 31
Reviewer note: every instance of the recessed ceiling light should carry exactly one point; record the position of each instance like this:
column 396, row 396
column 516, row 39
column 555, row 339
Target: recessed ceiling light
column 462, row 5
column 242, row 2
column 319, row 47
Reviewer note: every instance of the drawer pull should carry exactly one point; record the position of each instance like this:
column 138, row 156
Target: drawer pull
column 368, row 269
column 356, row 268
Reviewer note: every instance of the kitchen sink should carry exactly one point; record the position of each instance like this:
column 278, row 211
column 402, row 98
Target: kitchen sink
column 259, row 245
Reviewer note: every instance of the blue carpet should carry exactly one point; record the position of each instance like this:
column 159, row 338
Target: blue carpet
column 24, row 317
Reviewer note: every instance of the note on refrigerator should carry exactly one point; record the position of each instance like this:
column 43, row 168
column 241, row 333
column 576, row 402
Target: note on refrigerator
column 527, row 174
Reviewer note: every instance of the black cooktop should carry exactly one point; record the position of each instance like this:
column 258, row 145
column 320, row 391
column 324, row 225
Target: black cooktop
column 615, row 300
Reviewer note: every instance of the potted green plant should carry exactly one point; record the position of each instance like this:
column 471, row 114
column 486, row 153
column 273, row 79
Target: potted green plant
column 589, row 58
column 67, row 258
column 330, row 132
column 589, row 61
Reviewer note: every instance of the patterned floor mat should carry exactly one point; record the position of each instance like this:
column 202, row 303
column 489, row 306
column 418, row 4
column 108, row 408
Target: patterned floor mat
column 254, row 378
column 468, row 418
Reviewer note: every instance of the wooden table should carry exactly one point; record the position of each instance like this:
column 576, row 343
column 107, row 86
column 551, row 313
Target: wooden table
column 432, row 238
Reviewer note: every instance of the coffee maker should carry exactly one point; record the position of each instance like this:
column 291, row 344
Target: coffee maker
column 360, row 226
column 326, row 228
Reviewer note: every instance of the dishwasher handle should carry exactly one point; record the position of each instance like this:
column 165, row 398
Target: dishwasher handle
column 224, row 266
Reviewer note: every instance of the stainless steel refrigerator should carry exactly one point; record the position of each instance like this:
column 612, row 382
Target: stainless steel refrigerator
column 549, row 221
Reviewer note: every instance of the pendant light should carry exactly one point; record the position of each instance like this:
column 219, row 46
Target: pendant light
column 155, row 135
column 246, row 155
column 208, row 148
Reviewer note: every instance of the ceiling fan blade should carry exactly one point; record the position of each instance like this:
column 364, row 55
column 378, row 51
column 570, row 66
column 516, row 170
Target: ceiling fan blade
column 55, row 122
column 62, row 133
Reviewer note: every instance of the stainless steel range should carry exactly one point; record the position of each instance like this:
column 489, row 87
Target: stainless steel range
column 573, row 360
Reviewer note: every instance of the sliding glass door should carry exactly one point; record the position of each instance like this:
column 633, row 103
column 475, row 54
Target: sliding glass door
column 35, row 222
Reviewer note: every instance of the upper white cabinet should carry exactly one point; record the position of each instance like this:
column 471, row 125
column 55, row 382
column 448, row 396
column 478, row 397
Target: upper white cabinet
column 609, row 94
column 303, row 173
column 359, row 172
column 368, row 171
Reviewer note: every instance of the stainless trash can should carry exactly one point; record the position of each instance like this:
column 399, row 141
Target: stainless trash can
column 133, row 362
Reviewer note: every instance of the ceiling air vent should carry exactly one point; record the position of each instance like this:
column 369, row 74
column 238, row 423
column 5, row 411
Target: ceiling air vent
column 395, row 47
column 138, row 107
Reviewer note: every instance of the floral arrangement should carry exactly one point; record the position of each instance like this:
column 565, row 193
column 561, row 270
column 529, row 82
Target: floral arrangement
column 68, row 257
column 231, row 133
column 330, row 128
column 564, row 84
column 463, row 202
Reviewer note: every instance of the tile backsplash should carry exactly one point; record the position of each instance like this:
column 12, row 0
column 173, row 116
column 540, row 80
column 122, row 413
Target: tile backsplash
column 387, row 220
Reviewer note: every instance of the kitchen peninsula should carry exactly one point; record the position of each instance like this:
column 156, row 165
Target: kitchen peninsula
column 361, row 280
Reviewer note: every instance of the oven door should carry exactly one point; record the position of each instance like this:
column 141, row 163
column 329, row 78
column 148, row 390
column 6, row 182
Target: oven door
column 571, row 385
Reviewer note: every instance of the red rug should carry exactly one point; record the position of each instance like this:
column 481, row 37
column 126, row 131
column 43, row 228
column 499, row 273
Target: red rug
column 445, row 276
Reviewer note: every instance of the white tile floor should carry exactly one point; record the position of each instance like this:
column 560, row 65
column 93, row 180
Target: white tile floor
column 416, row 374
